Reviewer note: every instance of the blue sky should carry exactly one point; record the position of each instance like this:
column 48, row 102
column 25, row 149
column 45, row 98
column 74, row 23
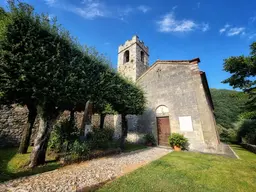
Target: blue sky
column 173, row 29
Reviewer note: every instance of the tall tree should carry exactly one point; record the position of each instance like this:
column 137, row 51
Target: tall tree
column 9, row 93
column 41, row 63
column 243, row 72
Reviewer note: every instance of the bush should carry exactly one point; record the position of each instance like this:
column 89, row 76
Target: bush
column 100, row 138
column 247, row 132
column 79, row 148
column 249, row 147
column 62, row 135
column 149, row 139
column 227, row 135
column 178, row 140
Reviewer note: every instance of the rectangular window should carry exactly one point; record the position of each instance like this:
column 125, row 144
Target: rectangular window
column 185, row 123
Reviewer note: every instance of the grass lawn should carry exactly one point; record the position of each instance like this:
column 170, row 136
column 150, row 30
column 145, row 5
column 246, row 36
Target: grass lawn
column 187, row 171
column 13, row 165
column 128, row 147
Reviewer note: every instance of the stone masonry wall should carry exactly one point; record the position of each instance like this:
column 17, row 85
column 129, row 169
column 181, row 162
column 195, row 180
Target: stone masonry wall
column 135, row 67
column 178, row 86
column 12, row 122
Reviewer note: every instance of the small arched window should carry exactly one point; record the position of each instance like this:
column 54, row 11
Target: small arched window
column 126, row 56
column 142, row 56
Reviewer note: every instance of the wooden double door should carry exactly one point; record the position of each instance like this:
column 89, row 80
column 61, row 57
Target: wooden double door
column 163, row 130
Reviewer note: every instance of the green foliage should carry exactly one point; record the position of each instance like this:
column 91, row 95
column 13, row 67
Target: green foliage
column 227, row 135
column 149, row 139
column 243, row 72
column 79, row 148
column 247, row 131
column 228, row 106
column 62, row 135
column 100, row 138
column 229, row 109
column 176, row 139
column 42, row 65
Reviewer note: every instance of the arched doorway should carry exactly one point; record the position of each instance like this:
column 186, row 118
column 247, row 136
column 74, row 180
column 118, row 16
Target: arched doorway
column 163, row 125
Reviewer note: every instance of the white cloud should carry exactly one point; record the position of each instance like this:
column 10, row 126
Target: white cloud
column 252, row 36
column 90, row 9
column 174, row 7
column 222, row 30
column 169, row 23
column 50, row 2
column 236, row 31
column 232, row 31
column 252, row 19
column 143, row 8
column 205, row 27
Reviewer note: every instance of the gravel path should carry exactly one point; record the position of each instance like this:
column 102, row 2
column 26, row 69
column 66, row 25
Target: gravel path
column 80, row 176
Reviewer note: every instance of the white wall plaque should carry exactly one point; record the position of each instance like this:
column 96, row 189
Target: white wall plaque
column 185, row 123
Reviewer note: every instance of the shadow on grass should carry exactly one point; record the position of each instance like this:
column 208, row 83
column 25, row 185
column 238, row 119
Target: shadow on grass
column 128, row 147
column 13, row 165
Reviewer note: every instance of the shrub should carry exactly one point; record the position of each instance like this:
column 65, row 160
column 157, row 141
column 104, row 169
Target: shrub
column 149, row 139
column 178, row 140
column 228, row 135
column 100, row 138
column 79, row 148
column 247, row 132
column 62, row 135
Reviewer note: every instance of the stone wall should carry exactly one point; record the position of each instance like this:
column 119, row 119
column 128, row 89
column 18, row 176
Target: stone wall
column 136, row 65
column 12, row 122
column 178, row 86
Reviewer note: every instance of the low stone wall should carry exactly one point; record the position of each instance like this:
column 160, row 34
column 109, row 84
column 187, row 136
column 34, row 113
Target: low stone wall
column 12, row 122
column 134, row 137
column 249, row 147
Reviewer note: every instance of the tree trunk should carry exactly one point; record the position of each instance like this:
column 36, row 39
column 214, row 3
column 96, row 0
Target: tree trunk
column 43, row 134
column 124, row 131
column 23, row 148
column 72, row 119
column 85, row 118
column 102, row 119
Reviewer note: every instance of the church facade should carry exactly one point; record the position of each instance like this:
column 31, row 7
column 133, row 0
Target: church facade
column 178, row 98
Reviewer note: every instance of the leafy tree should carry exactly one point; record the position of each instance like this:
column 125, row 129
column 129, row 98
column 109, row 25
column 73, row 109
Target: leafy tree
column 39, row 62
column 131, row 101
column 9, row 94
column 228, row 106
column 247, row 131
column 42, row 65
column 243, row 71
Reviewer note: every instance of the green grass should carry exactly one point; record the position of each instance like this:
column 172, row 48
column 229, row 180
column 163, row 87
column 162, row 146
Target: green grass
column 186, row 171
column 133, row 147
column 13, row 165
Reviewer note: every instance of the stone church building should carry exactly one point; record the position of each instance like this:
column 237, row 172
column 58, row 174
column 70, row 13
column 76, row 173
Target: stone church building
column 178, row 98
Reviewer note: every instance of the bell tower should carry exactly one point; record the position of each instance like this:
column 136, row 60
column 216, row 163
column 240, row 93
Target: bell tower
column 133, row 58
